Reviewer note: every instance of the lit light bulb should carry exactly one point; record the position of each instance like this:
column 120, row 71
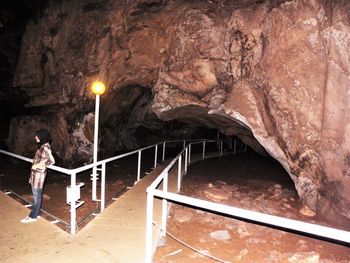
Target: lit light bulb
column 98, row 88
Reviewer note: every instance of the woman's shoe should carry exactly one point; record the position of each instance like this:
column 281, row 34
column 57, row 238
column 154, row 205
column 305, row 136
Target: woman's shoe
column 28, row 219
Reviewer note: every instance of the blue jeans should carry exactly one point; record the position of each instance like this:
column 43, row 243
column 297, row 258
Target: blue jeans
column 37, row 198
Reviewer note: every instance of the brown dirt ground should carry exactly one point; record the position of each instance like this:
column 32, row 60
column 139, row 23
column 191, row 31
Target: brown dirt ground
column 246, row 181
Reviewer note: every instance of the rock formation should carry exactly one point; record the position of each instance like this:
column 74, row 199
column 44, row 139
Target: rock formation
column 276, row 73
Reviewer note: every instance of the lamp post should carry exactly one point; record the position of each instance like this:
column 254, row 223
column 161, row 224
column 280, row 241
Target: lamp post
column 97, row 88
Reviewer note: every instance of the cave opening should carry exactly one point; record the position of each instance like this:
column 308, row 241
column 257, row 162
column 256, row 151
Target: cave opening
column 249, row 179
column 129, row 122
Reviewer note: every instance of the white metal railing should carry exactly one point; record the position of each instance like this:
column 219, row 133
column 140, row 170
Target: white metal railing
column 73, row 191
column 62, row 170
column 317, row 231
column 163, row 178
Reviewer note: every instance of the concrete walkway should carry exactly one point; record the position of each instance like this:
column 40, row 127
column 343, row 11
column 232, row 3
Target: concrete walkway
column 116, row 235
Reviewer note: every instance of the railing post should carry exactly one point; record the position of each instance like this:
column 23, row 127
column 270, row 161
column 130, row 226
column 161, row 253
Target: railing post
column 163, row 152
column 184, row 146
column 94, row 178
column 221, row 147
column 73, row 223
column 203, row 150
column 155, row 155
column 179, row 172
column 103, row 187
column 234, row 146
column 164, row 205
column 189, row 154
column 139, row 166
column 186, row 157
column 149, row 226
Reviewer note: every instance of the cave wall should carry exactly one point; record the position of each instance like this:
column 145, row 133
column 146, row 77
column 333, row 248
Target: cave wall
column 279, row 68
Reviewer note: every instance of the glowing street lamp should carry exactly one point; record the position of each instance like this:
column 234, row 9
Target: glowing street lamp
column 97, row 88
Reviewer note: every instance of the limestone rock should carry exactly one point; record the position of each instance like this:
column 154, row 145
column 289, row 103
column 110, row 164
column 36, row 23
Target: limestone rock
column 243, row 231
column 304, row 257
column 216, row 195
column 274, row 73
column 306, row 211
column 242, row 253
column 220, row 235
column 183, row 216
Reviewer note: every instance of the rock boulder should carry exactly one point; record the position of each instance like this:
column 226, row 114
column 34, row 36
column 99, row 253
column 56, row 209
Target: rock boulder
column 275, row 73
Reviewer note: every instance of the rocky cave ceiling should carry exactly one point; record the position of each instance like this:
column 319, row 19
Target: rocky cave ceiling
column 274, row 73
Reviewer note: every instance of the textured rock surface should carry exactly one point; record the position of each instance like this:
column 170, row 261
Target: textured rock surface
column 276, row 73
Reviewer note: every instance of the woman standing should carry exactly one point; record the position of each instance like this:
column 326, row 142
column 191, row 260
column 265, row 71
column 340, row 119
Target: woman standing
column 43, row 158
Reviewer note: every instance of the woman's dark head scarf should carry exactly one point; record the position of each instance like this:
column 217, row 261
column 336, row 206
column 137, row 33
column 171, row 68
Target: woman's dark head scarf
column 44, row 136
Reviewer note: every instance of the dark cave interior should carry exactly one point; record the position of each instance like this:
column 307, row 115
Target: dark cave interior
column 127, row 120
column 127, row 111
column 129, row 117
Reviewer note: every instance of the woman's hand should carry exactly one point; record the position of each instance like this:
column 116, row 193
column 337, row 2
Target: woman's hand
column 39, row 166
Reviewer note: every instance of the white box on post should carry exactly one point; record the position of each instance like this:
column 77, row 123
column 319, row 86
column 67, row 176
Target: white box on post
column 73, row 194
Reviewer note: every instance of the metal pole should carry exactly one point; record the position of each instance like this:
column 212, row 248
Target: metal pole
column 103, row 187
column 184, row 146
column 155, row 155
column 73, row 222
column 203, row 150
column 97, row 112
column 94, row 177
column 163, row 152
column 186, row 159
column 149, row 226
column 94, row 170
column 189, row 154
column 179, row 172
column 164, row 205
column 139, row 167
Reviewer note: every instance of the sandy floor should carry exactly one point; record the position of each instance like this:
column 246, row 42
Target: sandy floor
column 245, row 181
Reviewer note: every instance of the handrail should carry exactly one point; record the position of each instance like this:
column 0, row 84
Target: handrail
column 271, row 220
column 52, row 167
column 157, row 181
column 89, row 166
column 256, row 217
column 164, row 177
column 73, row 191
column 171, row 164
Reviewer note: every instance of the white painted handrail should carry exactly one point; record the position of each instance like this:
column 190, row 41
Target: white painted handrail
column 73, row 173
column 52, row 167
column 271, row 220
column 317, row 231
column 164, row 177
